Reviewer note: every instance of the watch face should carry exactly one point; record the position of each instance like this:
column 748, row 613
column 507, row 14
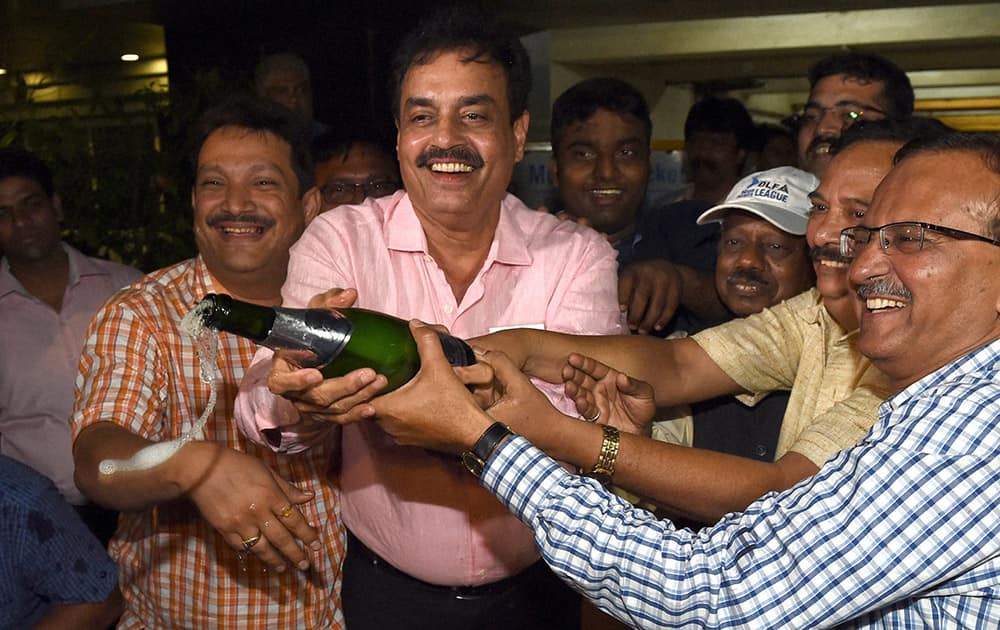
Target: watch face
column 473, row 463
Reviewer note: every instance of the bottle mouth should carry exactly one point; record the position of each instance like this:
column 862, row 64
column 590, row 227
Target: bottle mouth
column 212, row 308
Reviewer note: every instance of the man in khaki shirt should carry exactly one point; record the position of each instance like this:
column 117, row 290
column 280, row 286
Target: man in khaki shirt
column 805, row 345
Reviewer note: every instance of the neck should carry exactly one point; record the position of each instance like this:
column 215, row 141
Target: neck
column 621, row 235
column 255, row 288
column 45, row 278
column 460, row 246
column 842, row 311
column 714, row 191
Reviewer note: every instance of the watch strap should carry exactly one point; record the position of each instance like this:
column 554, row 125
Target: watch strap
column 475, row 458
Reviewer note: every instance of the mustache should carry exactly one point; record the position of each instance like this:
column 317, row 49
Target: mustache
column 747, row 276
column 818, row 140
column 243, row 217
column 884, row 287
column 828, row 252
column 461, row 154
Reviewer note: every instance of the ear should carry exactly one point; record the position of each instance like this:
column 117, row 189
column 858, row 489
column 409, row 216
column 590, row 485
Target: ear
column 554, row 170
column 521, row 134
column 312, row 204
column 57, row 207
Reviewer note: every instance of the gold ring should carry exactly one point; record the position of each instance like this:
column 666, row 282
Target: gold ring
column 285, row 511
column 597, row 416
column 250, row 542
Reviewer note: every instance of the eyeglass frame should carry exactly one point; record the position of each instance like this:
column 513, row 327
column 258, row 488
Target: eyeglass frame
column 351, row 187
column 848, row 234
column 855, row 112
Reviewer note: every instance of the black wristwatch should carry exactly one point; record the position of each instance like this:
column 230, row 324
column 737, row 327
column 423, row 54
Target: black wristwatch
column 475, row 458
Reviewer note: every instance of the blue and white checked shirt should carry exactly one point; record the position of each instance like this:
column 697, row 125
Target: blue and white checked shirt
column 901, row 531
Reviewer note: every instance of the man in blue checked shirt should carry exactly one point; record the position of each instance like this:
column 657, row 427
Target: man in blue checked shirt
column 901, row 531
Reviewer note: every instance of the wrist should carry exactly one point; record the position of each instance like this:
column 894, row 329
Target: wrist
column 186, row 469
column 479, row 453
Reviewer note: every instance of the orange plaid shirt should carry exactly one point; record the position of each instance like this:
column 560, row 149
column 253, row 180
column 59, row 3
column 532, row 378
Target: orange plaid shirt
column 140, row 371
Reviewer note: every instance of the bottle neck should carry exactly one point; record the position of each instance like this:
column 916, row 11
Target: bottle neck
column 238, row 317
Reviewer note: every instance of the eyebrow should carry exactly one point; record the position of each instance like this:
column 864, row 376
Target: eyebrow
column 465, row 101
column 846, row 101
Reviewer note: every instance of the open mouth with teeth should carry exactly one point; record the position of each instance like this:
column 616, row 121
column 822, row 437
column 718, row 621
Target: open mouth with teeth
column 881, row 304
column 451, row 167
column 241, row 230
column 833, row 264
column 747, row 288
column 606, row 192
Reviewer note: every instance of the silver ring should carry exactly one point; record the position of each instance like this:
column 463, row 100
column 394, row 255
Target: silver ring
column 597, row 416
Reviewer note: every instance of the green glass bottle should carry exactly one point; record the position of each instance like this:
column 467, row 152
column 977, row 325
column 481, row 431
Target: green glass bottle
column 335, row 341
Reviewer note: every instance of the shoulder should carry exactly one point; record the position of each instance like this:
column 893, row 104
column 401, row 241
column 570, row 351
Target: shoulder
column 542, row 229
column 154, row 293
column 24, row 489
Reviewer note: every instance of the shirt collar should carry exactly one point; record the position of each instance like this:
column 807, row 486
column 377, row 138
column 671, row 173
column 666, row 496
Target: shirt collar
column 79, row 265
column 404, row 232
column 819, row 315
column 974, row 361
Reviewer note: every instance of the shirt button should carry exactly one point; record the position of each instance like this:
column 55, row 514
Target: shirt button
column 760, row 451
column 448, row 308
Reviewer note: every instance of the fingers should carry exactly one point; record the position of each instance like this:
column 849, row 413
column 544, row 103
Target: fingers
column 341, row 400
column 428, row 344
column 633, row 386
column 626, row 286
column 591, row 367
column 638, row 304
column 334, row 298
column 276, row 540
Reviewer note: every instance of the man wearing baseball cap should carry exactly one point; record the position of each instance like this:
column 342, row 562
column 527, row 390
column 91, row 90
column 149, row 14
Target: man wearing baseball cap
column 762, row 260
column 798, row 345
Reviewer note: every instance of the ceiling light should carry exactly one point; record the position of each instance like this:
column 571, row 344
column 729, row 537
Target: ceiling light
column 3, row 71
column 130, row 57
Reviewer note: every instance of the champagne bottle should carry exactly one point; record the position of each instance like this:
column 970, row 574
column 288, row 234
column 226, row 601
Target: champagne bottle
column 335, row 341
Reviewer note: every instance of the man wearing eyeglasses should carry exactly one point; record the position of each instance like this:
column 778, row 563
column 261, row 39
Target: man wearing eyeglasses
column 899, row 531
column 843, row 89
column 349, row 168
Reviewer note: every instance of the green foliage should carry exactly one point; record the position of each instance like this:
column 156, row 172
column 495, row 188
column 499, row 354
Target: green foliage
column 121, row 167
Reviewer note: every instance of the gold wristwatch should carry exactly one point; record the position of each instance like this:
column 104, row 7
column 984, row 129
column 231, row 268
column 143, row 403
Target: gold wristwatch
column 604, row 469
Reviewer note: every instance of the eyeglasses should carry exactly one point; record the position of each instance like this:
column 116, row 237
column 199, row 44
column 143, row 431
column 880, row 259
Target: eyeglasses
column 905, row 237
column 341, row 191
column 847, row 113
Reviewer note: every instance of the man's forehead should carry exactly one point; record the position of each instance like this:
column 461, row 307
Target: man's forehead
column 842, row 89
column 607, row 121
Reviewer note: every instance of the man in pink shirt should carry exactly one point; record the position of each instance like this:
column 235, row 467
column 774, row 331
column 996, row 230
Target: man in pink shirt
column 428, row 547
column 48, row 293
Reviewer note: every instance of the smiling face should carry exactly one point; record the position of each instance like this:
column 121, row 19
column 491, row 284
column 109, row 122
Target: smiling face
column 841, row 201
column 457, row 146
column 759, row 265
column 601, row 168
column 29, row 221
column 922, row 310
column 823, row 124
column 247, row 206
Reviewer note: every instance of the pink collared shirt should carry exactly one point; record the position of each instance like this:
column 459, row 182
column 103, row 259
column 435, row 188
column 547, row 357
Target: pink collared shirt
column 423, row 512
column 39, row 361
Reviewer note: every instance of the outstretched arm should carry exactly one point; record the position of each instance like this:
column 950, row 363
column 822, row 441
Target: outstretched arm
column 678, row 369
column 696, row 483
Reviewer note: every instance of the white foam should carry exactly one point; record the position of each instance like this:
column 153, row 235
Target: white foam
column 207, row 345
